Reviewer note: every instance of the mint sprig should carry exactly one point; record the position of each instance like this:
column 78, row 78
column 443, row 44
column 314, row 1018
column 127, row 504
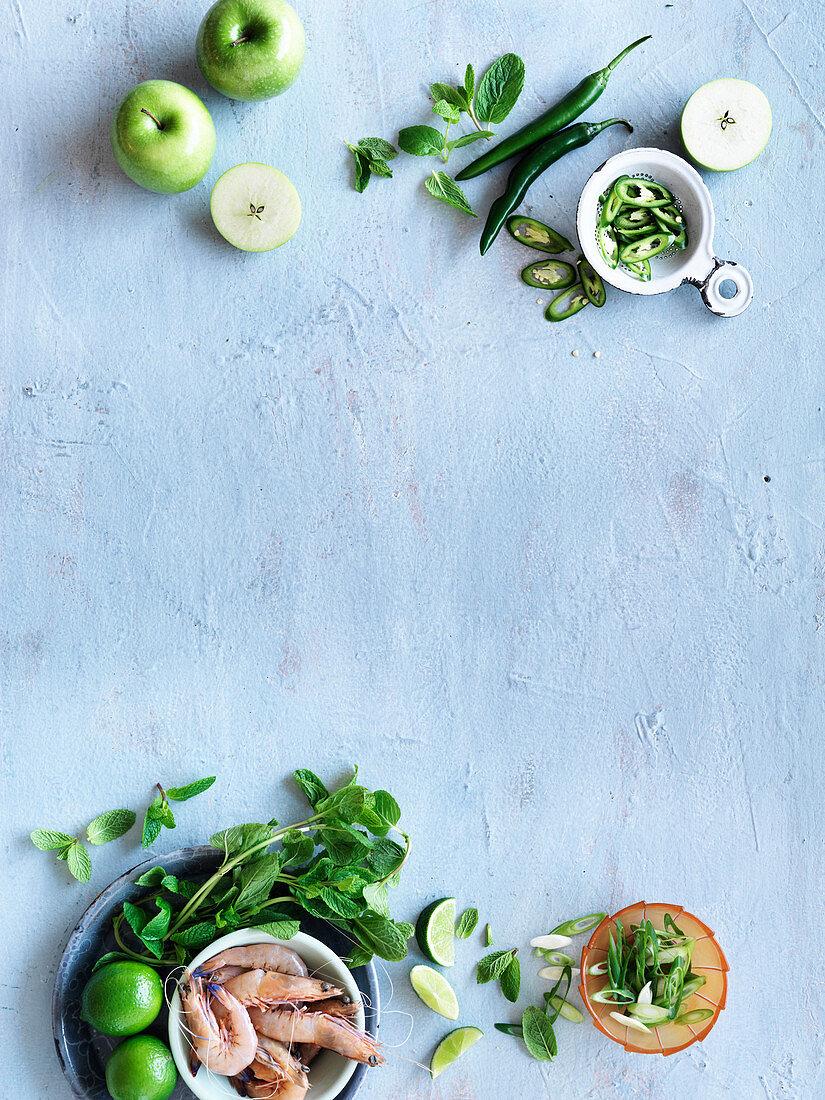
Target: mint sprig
column 371, row 155
column 71, row 851
column 159, row 813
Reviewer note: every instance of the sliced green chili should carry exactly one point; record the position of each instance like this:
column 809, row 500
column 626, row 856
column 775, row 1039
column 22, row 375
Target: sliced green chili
column 536, row 234
column 609, row 246
column 638, row 191
column 641, row 269
column 669, row 218
column 549, row 275
column 646, row 248
column 594, row 289
column 634, row 218
column 567, row 304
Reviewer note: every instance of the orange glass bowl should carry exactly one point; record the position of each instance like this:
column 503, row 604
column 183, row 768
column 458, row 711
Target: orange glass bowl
column 708, row 960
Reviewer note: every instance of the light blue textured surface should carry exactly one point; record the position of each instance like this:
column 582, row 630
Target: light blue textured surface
column 357, row 501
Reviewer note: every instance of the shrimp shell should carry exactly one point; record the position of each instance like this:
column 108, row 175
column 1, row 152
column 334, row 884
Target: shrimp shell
column 258, row 956
column 265, row 988
column 274, row 1062
column 270, row 1090
column 318, row 1029
column 226, row 1045
column 338, row 1006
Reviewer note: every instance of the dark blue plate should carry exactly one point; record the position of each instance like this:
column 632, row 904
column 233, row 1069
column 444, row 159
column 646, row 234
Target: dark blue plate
column 83, row 1052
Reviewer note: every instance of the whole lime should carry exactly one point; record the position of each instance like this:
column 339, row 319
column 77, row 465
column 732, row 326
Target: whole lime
column 122, row 998
column 141, row 1068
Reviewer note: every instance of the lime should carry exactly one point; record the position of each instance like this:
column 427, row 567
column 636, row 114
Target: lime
column 141, row 1069
column 255, row 207
column 452, row 1046
column 122, row 998
column 435, row 931
column 435, row 991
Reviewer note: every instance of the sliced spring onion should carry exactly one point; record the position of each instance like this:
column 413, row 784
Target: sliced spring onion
column 598, row 969
column 693, row 986
column 510, row 1029
column 695, row 1016
column 557, row 958
column 564, row 1008
column 628, row 1021
column 551, row 942
column 649, row 1014
column 613, row 996
column 553, row 973
column 579, row 925
column 645, row 995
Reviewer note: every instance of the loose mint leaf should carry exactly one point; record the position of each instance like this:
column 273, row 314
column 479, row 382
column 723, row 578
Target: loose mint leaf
column 538, row 1034
column 421, row 141
column 491, row 967
column 446, row 93
column 182, row 794
column 511, row 981
column 109, row 957
column 314, row 790
column 445, row 188
column 467, row 922
column 381, row 168
column 47, row 839
column 281, row 929
column 448, row 111
column 151, row 830
column 156, row 809
column 167, row 817
column 196, row 936
column 468, row 139
column 377, row 149
column 362, row 173
column 469, row 83
column 110, row 826
column 500, row 88
column 64, row 852
column 80, row 865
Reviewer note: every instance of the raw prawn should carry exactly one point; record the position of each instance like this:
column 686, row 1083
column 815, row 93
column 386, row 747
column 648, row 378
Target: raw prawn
column 319, row 1029
column 224, row 1046
column 271, row 1090
column 264, row 988
column 274, row 1062
column 338, row 1006
column 258, row 956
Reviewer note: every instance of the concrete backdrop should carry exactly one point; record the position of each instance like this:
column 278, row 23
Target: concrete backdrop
column 356, row 501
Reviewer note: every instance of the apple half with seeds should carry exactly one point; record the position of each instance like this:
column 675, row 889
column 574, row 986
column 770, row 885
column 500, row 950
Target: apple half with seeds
column 255, row 207
column 726, row 124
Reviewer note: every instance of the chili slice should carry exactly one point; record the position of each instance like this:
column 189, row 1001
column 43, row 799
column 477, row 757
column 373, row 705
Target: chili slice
column 567, row 304
column 641, row 269
column 646, row 248
column 549, row 275
column 591, row 283
column 638, row 191
column 669, row 219
column 612, row 204
column 609, row 246
column 536, row 234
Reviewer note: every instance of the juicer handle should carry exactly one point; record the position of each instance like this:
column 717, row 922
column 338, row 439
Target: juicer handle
column 709, row 288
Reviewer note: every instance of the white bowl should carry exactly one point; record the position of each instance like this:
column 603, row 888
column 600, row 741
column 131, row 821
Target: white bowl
column 695, row 264
column 328, row 1073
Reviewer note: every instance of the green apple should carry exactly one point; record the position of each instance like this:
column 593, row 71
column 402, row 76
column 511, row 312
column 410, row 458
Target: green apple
column 726, row 124
column 251, row 49
column 163, row 137
column 255, row 207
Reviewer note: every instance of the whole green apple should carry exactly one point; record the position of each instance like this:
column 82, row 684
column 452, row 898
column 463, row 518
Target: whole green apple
column 251, row 49
column 163, row 137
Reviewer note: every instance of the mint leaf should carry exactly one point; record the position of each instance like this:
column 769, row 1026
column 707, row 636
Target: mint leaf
column 257, row 879
column 466, row 923
column 511, row 981
column 538, row 1034
column 281, row 929
column 47, row 839
column 381, row 168
column 384, row 857
column 445, row 188
column 376, row 897
column 158, row 926
column 110, row 826
column 377, row 149
column 151, row 877
column 500, row 88
column 448, row 111
column 359, row 956
column 196, row 935
column 181, row 794
column 109, row 957
column 468, row 139
column 421, row 141
column 469, row 83
column 79, row 863
column 348, row 803
column 136, row 918
column 382, row 936
column 167, row 817
column 314, row 790
column 362, row 173
column 491, row 967
column 371, row 155
column 387, row 807
column 151, row 829
column 446, row 93
column 240, row 837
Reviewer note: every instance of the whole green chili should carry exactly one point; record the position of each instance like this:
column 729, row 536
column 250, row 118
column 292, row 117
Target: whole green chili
column 531, row 166
column 558, row 116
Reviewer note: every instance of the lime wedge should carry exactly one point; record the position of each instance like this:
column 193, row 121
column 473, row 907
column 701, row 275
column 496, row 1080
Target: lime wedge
column 452, row 1046
column 435, row 931
column 255, row 207
column 435, row 991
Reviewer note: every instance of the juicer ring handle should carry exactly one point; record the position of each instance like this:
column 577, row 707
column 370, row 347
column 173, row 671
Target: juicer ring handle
column 710, row 288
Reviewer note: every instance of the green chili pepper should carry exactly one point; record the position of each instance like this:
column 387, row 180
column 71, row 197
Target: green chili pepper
column 611, row 205
column 566, row 304
column 530, row 167
column 592, row 283
column 549, row 274
column 638, row 191
column 609, row 246
column 669, row 219
column 556, row 118
column 536, row 234
column 633, row 219
column 646, row 248
column 639, row 268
